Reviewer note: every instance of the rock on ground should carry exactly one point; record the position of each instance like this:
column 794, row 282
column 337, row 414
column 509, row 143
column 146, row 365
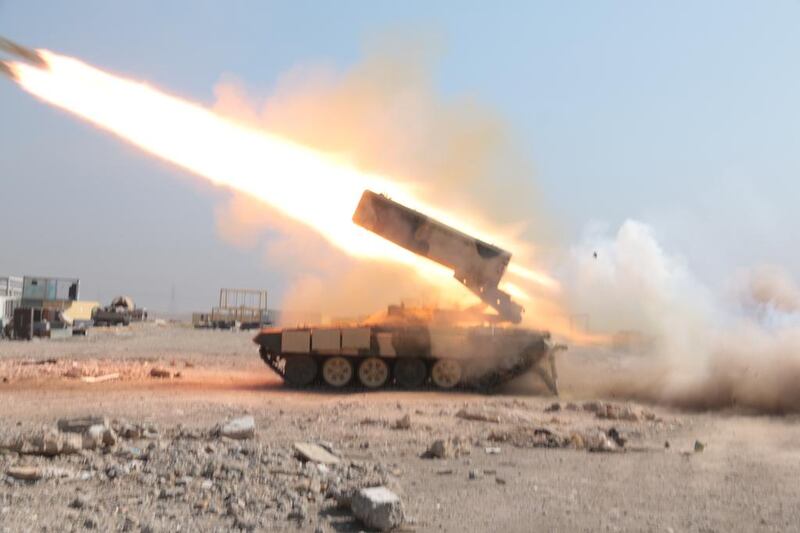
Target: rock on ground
column 27, row 473
column 378, row 508
column 239, row 428
column 81, row 424
column 315, row 453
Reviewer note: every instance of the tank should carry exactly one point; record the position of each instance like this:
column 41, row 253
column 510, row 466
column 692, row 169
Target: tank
column 413, row 347
column 404, row 350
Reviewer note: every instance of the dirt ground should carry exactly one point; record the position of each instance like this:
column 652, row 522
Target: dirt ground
column 515, row 462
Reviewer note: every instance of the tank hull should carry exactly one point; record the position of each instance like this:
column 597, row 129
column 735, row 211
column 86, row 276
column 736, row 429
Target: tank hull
column 407, row 356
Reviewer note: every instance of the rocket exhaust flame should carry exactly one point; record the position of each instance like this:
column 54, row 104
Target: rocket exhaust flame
column 311, row 187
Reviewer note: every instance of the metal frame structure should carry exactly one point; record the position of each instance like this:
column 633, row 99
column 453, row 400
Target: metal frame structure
column 242, row 308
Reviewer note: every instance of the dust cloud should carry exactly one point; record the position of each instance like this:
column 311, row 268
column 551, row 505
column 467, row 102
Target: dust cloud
column 680, row 342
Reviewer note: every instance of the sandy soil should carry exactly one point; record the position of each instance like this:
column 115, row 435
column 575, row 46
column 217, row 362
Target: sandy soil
column 182, row 476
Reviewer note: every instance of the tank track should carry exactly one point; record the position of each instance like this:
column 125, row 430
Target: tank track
column 540, row 363
column 276, row 362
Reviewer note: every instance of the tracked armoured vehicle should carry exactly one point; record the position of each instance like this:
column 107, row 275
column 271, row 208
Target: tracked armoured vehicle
column 414, row 348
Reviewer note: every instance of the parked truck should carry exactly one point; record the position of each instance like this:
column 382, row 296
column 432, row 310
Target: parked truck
column 120, row 312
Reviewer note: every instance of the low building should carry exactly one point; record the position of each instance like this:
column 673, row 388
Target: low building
column 10, row 295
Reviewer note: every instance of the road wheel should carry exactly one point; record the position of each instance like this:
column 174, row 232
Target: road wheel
column 337, row 371
column 446, row 373
column 373, row 372
column 410, row 372
column 300, row 370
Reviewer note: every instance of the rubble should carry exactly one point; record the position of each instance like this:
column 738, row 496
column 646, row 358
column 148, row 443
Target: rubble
column 378, row 508
column 403, row 422
column 239, row 428
column 161, row 373
column 141, row 477
column 612, row 411
column 100, row 379
column 446, row 449
column 552, row 408
column 24, row 473
column 617, row 437
column 47, row 442
column 524, row 437
column 80, row 424
column 93, row 437
column 315, row 453
column 479, row 415
column 80, row 501
column 599, row 441
column 593, row 406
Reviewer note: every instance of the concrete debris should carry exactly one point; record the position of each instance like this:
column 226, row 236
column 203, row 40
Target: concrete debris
column 80, row 424
column 479, row 415
column 50, row 361
column 73, row 435
column 47, row 442
column 100, row 379
column 446, row 449
column 161, row 373
column 81, row 501
column 612, row 411
column 93, row 437
column 617, row 437
column 75, row 372
column 402, row 423
column 314, row 453
column 492, row 450
column 525, row 437
column 618, row 412
column 25, row 473
column 128, row 430
column 110, row 437
column 577, row 441
column 475, row 474
column 593, row 406
column 378, row 508
column 594, row 441
column 239, row 428
column 599, row 441
column 130, row 453
column 200, row 473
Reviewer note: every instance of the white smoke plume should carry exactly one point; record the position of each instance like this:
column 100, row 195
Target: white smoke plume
column 687, row 345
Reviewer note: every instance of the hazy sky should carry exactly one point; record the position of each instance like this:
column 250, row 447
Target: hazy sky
column 685, row 115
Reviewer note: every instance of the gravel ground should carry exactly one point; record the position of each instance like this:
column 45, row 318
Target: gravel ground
column 511, row 462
